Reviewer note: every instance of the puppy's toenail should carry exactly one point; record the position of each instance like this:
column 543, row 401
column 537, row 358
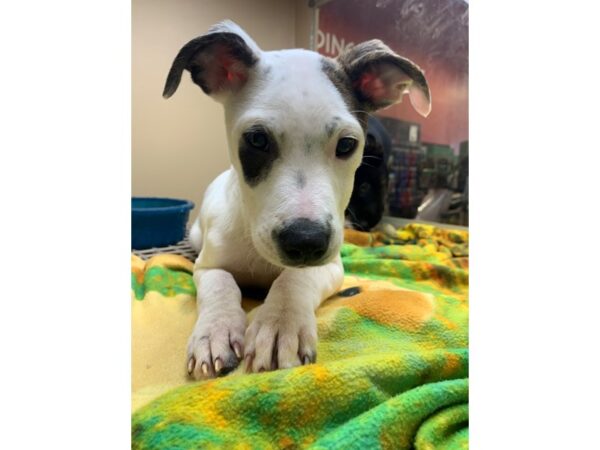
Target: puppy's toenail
column 204, row 368
column 191, row 364
column 248, row 363
column 218, row 365
column 237, row 350
column 306, row 360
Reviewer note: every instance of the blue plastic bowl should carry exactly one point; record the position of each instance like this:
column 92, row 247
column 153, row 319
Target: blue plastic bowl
column 158, row 222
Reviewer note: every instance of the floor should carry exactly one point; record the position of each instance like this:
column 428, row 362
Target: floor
column 182, row 248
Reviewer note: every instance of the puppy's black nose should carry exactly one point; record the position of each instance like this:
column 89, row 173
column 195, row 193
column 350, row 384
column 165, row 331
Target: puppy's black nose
column 303, row 241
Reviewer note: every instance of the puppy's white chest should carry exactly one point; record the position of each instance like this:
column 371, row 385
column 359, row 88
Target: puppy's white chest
column 226, row 243
column 238, row 257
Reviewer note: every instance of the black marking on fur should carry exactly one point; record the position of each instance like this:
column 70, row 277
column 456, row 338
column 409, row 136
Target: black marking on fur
column 308, row 145
column 338, row 76
column 350, row 292
column 300, row 179
column 187, row 59
column 256, row 164
column 330, row 127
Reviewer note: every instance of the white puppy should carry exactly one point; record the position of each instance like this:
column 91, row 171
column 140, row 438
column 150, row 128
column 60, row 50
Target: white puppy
column 295, row 125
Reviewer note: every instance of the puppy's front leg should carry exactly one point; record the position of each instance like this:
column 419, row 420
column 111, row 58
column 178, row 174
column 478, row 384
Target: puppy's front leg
column 217, row 342
column 283, row 332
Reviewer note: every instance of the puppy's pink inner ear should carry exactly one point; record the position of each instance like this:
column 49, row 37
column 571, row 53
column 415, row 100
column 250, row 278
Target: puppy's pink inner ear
column 372, row 87
column 234, row 73
column 223, row 71
column 384, row 86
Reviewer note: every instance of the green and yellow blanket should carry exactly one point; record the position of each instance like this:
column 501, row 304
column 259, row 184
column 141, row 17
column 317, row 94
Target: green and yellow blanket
column 392, row 369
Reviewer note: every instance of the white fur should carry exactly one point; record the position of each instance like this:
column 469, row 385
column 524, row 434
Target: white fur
column 279, row 103
column 288, row 92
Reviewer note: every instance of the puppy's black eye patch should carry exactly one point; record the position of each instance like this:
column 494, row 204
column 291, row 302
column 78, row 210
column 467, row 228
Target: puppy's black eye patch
column 257, row 151
column 345, row 147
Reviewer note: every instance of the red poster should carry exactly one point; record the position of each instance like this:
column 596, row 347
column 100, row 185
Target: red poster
column 432, row 33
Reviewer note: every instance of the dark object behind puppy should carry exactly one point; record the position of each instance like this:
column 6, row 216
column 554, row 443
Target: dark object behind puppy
column 368, row 201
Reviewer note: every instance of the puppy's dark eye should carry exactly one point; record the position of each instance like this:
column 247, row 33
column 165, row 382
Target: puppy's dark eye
column 257, row 139
column 345, row 147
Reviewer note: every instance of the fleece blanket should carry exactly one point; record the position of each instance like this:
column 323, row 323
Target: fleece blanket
column 392, row 369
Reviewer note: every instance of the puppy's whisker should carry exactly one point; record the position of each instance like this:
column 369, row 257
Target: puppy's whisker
column 368, row 165
column 353, row 216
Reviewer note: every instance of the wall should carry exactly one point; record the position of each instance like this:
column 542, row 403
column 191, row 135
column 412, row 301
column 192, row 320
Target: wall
column 179, row 145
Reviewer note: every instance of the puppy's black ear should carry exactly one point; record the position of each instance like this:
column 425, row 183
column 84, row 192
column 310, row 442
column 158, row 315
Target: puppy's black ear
column 380, row 77
column 218, row 61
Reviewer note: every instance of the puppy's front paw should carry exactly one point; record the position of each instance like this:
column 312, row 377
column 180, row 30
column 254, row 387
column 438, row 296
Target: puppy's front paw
column 216, row 344
column 279, row 338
